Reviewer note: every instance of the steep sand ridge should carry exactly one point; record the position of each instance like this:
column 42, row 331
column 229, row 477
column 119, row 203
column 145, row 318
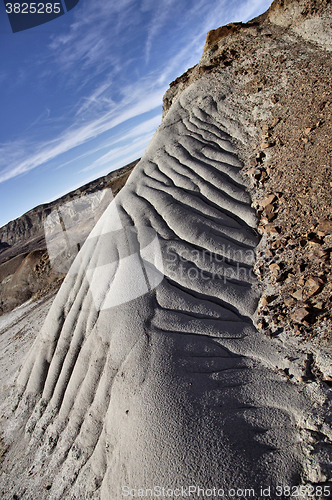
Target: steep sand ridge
column 175, row 386
column 148, row 370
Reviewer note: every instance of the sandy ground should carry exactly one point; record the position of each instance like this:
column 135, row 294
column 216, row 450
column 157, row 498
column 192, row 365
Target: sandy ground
column 148, row 369
column 18, row 331
column 148, row 354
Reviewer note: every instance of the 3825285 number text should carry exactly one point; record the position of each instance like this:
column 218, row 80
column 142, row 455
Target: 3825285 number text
column 33, row 8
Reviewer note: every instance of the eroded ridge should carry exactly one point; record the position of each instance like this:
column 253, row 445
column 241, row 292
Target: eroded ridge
column 167, row 385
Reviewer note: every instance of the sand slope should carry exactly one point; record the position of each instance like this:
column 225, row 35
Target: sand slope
column 148, row 370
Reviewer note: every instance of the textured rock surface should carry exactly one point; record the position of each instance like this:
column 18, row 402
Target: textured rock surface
column 175, row 387
column 281, row 82
column 236, row 47
column 309, row 19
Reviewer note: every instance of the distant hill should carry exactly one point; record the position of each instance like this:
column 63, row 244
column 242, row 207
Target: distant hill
column 25, row 268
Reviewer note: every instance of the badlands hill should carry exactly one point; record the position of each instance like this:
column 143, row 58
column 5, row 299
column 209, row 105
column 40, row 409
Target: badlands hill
column 282, row 83
column 25, row 269
column 189, row 344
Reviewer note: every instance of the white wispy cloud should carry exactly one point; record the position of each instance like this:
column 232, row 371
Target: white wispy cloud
column 161, row 15
column 250, row 9
column 140, row 135
column 89, row 48
column 17, row 157
column 90, row 40
column 94, row 98
column 145, row 130
column 137, row 147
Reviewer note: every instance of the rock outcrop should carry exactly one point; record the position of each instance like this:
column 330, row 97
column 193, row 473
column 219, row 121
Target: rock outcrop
column 283, row 82
column 149, row 372
column 236, row 43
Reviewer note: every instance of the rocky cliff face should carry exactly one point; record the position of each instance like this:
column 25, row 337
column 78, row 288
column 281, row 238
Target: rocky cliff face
column 119, row 388
column 276, row 70
column 310, row 19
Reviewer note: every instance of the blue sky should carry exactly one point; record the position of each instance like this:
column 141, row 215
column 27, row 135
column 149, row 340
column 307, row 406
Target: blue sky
column 81, row 95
